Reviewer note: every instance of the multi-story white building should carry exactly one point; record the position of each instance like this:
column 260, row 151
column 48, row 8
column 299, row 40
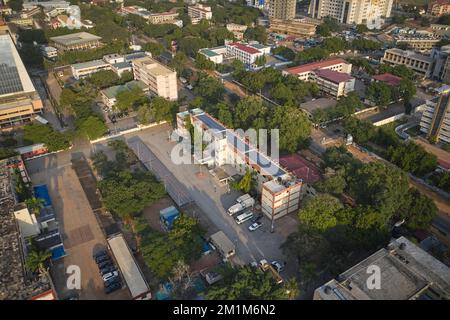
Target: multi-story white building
column 332, row 76
column 372, row 13
column 160, row 79
column 416, row 62
column 441, row 66
column 85, row 69
column 198, row 12
column 247, row 53
column 282, row 9
column 435, row 121
column 280, row 190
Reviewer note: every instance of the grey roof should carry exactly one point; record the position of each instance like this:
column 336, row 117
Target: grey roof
column 318, row 104
column 121, row 65
column 209, row 53
column 112, row 92
column 75, row 38
column 89, row 64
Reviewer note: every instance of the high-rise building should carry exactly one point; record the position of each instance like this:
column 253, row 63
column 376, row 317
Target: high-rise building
column 282, row 9
column 160, row 79
column 19, row 100
column 369, row 12
column 435, row 121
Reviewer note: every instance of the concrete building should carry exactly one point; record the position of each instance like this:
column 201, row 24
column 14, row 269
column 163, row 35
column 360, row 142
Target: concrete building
column 332, row 76
column 85, row 69
column 260, row 4
column 214, row 54
column 422, row 43
column 49, row 52
column 281, row 9
column 247, row 53
column 416, row 62
column 76, row 41
column 198, row 12
column 435, row 121
column 160, row 79
column 438, row 7
column 406, row 273
column 109, row 95
column 372, row 13
column 295, row 27
column 19, row 100
column 237, row 29
column 441, row 65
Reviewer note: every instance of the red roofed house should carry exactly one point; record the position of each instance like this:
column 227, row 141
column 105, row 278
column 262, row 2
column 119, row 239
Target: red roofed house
column 332, row 75
column 439, row 7
column 390, row 79
column 243, row 52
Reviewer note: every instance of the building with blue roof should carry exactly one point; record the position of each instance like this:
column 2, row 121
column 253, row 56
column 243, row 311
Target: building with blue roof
column 168, row 216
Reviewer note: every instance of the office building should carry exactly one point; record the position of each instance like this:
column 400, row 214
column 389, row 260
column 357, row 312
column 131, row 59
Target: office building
column 441, row 65
column 438, row 7
column 247, row 53
column 160, row 79
column 372, row 13
column 332, row 76
column 280, row 190
column 198, row 12
column 76, row 41
column 435, row 120
column 282, row 9
column 19, row 100
column 406, row 273
column 297, row 28
column 418, row 43
column 418, row 63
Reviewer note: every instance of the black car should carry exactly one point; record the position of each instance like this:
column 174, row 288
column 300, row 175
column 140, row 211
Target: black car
column 101, row 259
column 113, row 287
column 256, row 218
column 105, row 264
column 107, row 269
column 99, row 254
column 111, row 281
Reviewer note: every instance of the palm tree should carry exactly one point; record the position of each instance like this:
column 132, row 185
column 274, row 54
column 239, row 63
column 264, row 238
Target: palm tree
column 35, row 205
column 292, row 289
column 36, row 261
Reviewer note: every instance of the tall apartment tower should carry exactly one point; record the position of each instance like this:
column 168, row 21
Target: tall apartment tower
column 435, row 121
column 282, row 9
column 372, row 13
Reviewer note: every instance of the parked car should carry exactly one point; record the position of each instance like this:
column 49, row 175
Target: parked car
column 101, row 259
column 105, row 264
column 113, row 287
column 110, row 275
column 109, row 282
column 255, row 226
column 100, row 253
column 278, row 266
column 107, row 269
column 256, row 218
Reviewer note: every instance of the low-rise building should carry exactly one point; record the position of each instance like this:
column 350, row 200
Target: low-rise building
column 296, row 27
column 247, row 53
column 418, row 43
column 160, row 79
column 332, row 76
column 109, row 95
column 435, row 120
column 49, row 52
column 164, row 17
column 85, row 69
column 214, row 54
column 238, row 30
column 438, row 7
column 198, row 12
column 406, row 272
column 418, row 63
column 76, row 41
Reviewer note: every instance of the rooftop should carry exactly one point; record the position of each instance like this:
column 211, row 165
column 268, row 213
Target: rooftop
column 407, row 273
column 333, row 76
column 389, row 78
column 410, row 54
column 315, row 65
column 244, row 47
column 301, row 168
column 112, row 92
column 89, row 64
column 155, row 67
column 317, row 104
column 209, row 52
column 75, row 38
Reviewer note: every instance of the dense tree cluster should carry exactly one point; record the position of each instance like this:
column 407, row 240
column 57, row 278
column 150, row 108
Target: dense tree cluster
column 42, row 133
column 345, row 106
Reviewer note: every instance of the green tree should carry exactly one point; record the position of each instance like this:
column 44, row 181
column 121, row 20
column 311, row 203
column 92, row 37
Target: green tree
column 224, row 115
column 292, row 288
column 35, row 205
column 163, row 109
column 334, row 185
column 380, row 93
column 41, row 133
column 361, row 28
column 155, row 48
column 247, row 110
column 319, row 212
column 258, row 33
column 93, row 128
column 419, row 212
column 16, row 5
column 209, row 88
column 202, row 63
column 128, row 99
column 246, row 183
column 144, row 114
column 103, row 79
column 36, row 261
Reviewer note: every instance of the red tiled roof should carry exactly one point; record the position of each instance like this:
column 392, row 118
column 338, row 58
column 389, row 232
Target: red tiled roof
column 301, row 168
column 389, row 78
column 315, row 65
column 243, row 47
column 333, row 76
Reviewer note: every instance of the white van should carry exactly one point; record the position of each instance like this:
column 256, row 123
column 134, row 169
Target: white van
column 243, row 198
column 244, row 217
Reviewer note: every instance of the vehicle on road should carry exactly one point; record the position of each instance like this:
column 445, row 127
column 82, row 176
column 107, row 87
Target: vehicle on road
column 238, row 207
column 110, row 275
column 255, row 226
column 113, row 287
column 278, row 266
column 244, row 217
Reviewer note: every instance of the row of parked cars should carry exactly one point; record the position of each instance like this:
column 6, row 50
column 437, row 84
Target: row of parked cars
column 108, row 271
column 243, row 211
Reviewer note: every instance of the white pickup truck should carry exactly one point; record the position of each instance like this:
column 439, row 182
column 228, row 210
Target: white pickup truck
column 238, row 207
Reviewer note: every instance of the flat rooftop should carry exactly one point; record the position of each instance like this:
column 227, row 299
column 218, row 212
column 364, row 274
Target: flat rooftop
column 407, row 273
column 317, row 104
column 315, row 65
column 89, row 64
column 75, row 38
column 333, row 76
column 153, row 66
column 409, row 54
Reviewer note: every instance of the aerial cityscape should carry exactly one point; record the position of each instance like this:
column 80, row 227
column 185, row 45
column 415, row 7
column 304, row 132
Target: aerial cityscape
column 225, row 150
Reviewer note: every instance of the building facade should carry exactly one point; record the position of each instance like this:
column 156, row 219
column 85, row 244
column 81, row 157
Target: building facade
column 198, row 12
column 372, row 13
column 422, row 44
column 416, row 62
column 294, row 27
column 76, row 41
column 441, row 66
column 281, row 9
column 247, row 53
column 160, row 79
column 438, row 7
column 435, row 120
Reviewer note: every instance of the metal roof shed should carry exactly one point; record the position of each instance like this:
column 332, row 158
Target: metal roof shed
column 223, row 244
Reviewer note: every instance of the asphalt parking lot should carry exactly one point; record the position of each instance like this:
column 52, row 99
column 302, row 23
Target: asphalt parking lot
column 79, row 228
column 213, row 199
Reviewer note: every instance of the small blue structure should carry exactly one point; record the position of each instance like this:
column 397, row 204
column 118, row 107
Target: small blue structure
column 168, row 216
column 58, row 252
column 41, row 191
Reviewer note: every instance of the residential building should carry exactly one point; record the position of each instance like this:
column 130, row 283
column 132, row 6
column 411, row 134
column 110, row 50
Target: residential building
column 237, row 29
column 435, row 121
column 46, row 4
column 19, row 100
column 406, row 271
column 164, row 17
column 280, row 190
column 198, row 12
column 296, row 27
column 332, row 76
column 160, row 79
column 85, row 69
column 260, row 4
column 76, row 41
column 246, row 53
column 372, row 13
column 418, row 43
column 418, row 63
column 282, row 9
column 438, row 7
column 441, row 65
column 109, row 95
